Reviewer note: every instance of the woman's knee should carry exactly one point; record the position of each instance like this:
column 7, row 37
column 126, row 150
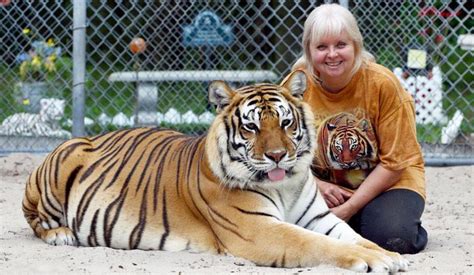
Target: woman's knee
column 393, row 221
column 398, row 238
column 403, row 246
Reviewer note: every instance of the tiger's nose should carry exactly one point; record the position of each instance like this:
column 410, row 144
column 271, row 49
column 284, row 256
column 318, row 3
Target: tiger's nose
column 276, row 156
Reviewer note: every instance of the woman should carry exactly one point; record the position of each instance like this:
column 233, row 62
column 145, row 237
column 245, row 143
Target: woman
column 369, row 165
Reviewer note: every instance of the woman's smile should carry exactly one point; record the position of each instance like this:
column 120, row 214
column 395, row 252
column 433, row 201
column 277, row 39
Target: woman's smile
column 333, row 60
column 334, row 64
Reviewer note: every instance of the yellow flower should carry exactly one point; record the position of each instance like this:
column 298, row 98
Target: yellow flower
column 52, row 58
column 36, row 63
column 24, row 69
column 26, row 31
column 49, row 65
column 50, row 42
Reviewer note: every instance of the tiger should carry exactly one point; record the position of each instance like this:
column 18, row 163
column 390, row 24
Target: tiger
column 44, row 123
column 243, row 188
column 348, row 149
column 352, row 143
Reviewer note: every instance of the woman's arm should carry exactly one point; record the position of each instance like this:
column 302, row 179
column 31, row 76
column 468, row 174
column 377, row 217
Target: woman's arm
column 333, row 194
column 379, row 180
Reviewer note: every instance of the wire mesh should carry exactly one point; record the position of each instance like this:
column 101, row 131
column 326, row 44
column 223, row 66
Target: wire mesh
column 262, row 35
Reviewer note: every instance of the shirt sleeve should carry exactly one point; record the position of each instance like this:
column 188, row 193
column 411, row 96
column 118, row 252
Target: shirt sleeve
column 396, row 128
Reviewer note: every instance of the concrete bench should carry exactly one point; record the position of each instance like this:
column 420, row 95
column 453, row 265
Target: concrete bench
column 147, row 90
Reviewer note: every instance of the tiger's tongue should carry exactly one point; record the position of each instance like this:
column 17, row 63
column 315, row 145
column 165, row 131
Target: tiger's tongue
column 276, row 174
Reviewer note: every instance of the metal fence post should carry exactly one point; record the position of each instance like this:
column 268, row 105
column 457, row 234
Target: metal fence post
column 344, row 3
column 266, row 36
column 79, row 67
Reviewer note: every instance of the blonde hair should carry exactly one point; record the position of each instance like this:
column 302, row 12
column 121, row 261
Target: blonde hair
column 332, row 20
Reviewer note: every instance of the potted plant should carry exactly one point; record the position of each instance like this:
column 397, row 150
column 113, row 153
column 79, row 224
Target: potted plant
column 35, row 64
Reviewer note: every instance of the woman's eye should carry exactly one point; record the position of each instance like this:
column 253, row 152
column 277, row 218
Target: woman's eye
column 285, row 122
column 321, row 48
column 251, row 127
column 341, row 45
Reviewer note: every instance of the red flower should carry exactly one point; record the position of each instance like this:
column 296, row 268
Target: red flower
column 439, row 38
column 4, row 3
column 449, row 14
column 432, row 11
column 428, row 11
column 424, row 32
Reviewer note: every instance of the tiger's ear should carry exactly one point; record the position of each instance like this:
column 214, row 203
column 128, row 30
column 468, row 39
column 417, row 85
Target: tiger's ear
column 220, row 94
column 295, row 83
column 44, row 102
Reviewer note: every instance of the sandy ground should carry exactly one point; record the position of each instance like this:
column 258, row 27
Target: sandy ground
column 449, row 219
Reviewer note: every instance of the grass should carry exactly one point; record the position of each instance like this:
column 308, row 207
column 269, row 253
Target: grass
column 428, row 133
column 107, row 97
column 110, row 98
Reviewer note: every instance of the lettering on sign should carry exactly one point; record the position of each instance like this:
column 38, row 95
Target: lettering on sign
column 207, row 29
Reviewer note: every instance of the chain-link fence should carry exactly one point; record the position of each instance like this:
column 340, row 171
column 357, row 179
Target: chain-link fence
column 161, row 77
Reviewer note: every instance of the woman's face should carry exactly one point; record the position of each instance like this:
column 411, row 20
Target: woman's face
column 333, row 58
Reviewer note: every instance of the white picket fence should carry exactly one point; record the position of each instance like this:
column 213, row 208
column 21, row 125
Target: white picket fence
column 428, row 95
column 172, row 116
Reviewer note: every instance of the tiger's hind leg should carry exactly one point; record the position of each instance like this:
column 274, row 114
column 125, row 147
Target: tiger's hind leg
column 47, row 224
column 59, row 236
column 50, row 232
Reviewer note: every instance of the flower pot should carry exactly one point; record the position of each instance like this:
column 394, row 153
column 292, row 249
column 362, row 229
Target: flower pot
column 32, row 93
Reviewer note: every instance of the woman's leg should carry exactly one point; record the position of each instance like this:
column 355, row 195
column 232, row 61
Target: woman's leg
column 392, row 220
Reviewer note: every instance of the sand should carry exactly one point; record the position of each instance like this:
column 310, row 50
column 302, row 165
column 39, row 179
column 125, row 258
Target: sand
column 448, row 217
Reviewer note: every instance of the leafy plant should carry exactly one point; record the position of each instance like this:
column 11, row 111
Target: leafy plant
column 39, row 58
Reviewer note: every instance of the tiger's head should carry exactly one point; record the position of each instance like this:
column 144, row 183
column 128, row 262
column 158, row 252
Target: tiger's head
column 52, row 109
column 263, row 134
column 349, row 142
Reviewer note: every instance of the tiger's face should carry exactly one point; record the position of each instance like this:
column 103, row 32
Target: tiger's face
column 52, row 108
column 350, row 142
column 264, row 134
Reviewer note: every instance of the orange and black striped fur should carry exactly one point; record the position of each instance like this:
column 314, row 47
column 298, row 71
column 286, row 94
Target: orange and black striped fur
column 245, row 188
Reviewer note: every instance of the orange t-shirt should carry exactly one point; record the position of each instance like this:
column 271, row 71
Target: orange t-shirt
column 370, row 121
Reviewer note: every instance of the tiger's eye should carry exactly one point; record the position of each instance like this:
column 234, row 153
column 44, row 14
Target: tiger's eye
column 252, row 127
column 285, row 122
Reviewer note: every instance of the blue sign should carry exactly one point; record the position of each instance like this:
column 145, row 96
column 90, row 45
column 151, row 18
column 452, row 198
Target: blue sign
column 207, row 30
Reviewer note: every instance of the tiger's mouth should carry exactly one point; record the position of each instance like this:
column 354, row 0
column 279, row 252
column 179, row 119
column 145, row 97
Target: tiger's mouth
column 348, row 165
column 274, row 175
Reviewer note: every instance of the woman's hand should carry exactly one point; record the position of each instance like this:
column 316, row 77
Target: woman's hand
column 332, row 194
column 344, row 211
column 379, row 180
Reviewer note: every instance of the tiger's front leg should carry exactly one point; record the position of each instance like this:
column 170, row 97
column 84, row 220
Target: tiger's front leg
column 302, row 234
column 334, row 227
column 267, row 241
column 320, row 219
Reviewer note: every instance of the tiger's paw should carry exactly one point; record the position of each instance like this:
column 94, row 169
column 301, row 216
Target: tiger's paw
column 401, row 264
column 59, row 236
column 360, row 259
